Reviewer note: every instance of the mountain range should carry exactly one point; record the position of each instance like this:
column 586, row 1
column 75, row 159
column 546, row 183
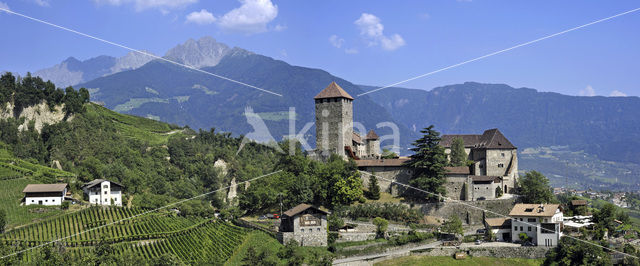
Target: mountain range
column 606, row 127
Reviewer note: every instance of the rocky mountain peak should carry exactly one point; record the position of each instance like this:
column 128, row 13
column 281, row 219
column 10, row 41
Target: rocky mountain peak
column 204, row 52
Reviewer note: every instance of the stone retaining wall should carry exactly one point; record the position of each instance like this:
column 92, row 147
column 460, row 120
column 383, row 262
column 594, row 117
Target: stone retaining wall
column 496, row 252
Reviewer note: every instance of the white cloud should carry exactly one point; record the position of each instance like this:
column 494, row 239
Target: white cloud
column 4, row 5
column 373, row 31
column 201, row 17
column 588, row 91
column 351, row 51
column 141, row 5
column 617, row 93
column 279, row 27
column 392, row 43
column 251, row 17
column 44, row 3
column 336, row 41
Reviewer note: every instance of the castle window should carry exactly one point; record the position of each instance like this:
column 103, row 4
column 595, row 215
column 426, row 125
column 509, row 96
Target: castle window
column 502, row 154
column 500, row 165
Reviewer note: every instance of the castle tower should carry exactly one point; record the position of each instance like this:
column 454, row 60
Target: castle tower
column 334, row 120
column 373, row 144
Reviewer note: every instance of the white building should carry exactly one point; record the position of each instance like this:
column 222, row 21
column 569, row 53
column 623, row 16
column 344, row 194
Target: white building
column 45, row 194
column 501, row 228
column 543, row 223
column 103, row 192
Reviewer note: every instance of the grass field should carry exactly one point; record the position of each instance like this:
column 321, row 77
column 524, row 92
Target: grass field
column 449, row 261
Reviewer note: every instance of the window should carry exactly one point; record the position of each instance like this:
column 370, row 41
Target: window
column 502, row 154
column 529, row 228
column 105, row 186
column 46, row 200
column 521, row 228
column 500, row 165
column 302, row 230
column 531, row 220
column 105, row 193
column 105, row 200
column 33, row 201
column 521, row 219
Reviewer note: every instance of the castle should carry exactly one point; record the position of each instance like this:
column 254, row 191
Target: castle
column 334, row 127
column 493, row 158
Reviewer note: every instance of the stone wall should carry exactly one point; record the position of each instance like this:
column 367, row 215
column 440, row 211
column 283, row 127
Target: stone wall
column 354, row 236
column 496, row 252
column 396, row 173
column 467, row 214
column 313, row 239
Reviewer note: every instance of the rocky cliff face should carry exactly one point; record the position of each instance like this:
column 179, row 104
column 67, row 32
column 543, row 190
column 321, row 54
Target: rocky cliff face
column 39, row 114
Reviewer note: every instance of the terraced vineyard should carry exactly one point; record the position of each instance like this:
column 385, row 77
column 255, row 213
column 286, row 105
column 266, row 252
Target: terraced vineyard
column 193, row 240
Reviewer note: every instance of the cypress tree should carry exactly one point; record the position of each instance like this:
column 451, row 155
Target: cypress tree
column 374, row 188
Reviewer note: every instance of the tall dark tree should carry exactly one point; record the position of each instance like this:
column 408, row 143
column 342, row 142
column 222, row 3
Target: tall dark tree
column 534, row 188
column 374, row 188
column 3, row 220
column 428, row 162
column 458, row 155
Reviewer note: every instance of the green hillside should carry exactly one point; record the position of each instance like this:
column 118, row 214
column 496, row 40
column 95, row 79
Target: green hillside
column 15, row 174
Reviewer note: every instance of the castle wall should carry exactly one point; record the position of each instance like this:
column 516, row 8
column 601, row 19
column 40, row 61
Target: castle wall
column 396, row 173
column 334, row 124
column 484, row 190
column 456, row 187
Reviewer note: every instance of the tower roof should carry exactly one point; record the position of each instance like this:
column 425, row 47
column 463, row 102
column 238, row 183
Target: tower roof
column 333, row 91
column 372, row 135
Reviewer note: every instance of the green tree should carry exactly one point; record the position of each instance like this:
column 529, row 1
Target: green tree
column 498, row 192
column 453, row 226
column 534, row 188
column 604, row 218
column 574, row 252
column 428, row 162
column 3, row 220
column 458, row 155
column 374, row 188
column 388, row 154
column 334, row 222
column 381, row 226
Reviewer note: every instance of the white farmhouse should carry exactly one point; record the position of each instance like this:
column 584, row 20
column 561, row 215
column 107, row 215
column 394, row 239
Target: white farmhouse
column 45, row 194
column 103, row 192
column 543, row 223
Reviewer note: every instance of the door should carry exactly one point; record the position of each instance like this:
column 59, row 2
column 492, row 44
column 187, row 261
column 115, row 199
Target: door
column 40, row 202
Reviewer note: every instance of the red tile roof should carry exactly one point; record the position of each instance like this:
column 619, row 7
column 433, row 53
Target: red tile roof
column 372, row 135
column 333, row 91
column 490, row 139
column 457, row 170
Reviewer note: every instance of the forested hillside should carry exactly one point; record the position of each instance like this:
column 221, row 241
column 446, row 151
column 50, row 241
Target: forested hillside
column 159, row 164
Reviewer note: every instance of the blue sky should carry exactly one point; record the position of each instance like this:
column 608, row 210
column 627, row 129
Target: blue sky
column 366, row 42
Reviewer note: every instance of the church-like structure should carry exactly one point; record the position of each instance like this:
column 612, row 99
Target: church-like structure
column 493, row 161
